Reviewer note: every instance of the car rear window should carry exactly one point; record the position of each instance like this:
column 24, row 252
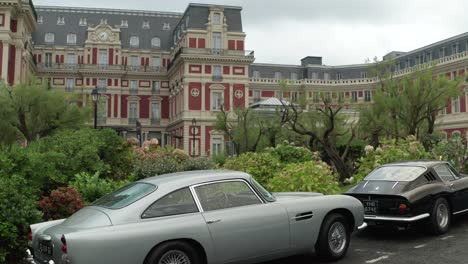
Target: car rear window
column 396, row 173
column 126, row 195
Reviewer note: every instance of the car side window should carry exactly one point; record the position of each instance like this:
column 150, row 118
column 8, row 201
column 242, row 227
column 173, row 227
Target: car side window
column 444, row 173
column 216, row 196
column 175, row 203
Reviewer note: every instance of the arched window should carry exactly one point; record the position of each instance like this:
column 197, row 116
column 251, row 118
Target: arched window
column 155, row 42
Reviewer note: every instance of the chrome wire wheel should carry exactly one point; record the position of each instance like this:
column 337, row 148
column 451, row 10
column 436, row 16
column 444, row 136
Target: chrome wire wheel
column 174, row 257
column 337, row 238
column 442, row 215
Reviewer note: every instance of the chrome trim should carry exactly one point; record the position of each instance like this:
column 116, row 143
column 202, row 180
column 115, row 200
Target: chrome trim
column 462, row 211
column 302, row 216
column 363, row 226
column 197, row 200
column 397, row 219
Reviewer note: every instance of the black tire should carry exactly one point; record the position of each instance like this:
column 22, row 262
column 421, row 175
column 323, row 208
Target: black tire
column 436, row 225
column 176, row 247
column 323, row 248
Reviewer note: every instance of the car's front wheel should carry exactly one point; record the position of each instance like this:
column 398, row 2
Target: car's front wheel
column 174, row 252
column 334, row 238
column 440, row 217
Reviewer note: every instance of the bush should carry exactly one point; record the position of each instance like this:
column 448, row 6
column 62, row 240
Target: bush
column 17, row 211
column 91, row 187
column 453, row 150
column 311, row 176
column 61, row 203
column 288, row 153
column 262, row 166
column 152, row 167
column 390, row 151
column 200, row 163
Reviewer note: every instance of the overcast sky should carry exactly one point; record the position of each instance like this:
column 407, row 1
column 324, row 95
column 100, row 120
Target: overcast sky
column 341, row 31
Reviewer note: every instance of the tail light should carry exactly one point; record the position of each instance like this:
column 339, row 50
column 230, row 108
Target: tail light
column 29, row 234
column 402, row 208
column 64, row 244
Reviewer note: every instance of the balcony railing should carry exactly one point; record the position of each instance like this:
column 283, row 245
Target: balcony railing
column 99, row 67
column 155, row 121
column 138, row 68
column 155, row 90
column 134, row 91
column 213, row 52
column 132, row 120
column 217, row 78
column 101, row 88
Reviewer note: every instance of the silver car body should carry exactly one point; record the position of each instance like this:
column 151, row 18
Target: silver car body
column 288, row 226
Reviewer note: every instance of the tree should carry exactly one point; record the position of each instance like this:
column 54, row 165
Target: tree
column 30, row 111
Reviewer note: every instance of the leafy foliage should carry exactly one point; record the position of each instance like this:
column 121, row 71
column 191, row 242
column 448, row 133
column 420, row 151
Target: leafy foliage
column 262, row 166
column 199, row 163
column 455, row 151
column 61, row 203
column 310, row 176
column 91, row 187
column 390, row 151
column 288, row 153
column 17, row 212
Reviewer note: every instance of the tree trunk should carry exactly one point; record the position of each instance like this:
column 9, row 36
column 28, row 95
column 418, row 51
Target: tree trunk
column 340, row 165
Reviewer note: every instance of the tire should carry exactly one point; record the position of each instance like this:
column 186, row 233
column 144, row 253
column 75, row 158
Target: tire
column 334, row 226
column 179, row 249
column 439, row 221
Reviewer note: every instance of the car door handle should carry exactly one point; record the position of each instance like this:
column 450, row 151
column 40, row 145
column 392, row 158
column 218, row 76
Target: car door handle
column 303, row 216
column 213, row 222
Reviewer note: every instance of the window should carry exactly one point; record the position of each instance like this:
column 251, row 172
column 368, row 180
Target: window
column 71, row 38
column 40, row 19
column 156, row 87
column 442, row 52
column 216, row 100
column 367, row 96
column 277, row 75
column 166, row 26
column 314, row 76
column 455, row 48
column 293, row 76
column 133, row 85
column 456, row 104
column 326, row 76
column 70, row 84
column 396, row 173
column 363, row 75
column 444, row 173
column 156, row 63
column 443, row 110
column 124, row 23
column 429, row 56
column 216, row 45
column 217, row 18
column 134, row 41
column 133, row 110
column 83, row 21
column 48, row 59
column 225, row 195
column 126, row 195
column 454, row 75
column 103, row 20
column 338, row 76
column 49, row 37
column 102, row 83
column 217, row 71
column 176, row 203
column 102, row 58
column 155, row 42
column 294, row 96
column 256, row 74
column 71, row 58
column 61, row 20
column 133, row 63
column 155, row 111
column 145, row 25
column 316, row 97
column 354, row 96
column 257, row 95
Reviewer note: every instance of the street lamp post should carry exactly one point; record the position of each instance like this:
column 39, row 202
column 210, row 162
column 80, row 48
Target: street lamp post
column 96, row 96
column 194, row 123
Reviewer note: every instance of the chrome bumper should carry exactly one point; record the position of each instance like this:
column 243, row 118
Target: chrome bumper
column 30, row 258
column 363, row 226
column 397, row 219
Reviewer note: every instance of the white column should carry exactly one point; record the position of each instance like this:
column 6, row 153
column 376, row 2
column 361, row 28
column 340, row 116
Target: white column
column 202, row 140
column 231, row 96
column 203, row 95
column 119, row 106
column 112, row 106
column 18, row 63
column 5, row 61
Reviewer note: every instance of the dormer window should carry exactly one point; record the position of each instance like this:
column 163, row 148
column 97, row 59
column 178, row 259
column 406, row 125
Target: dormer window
column 83, row 22
column 155, row 42
column 61, row 20
column 71, row 39
column 146, row 25
column 49, row 38
column 217, row 18
column 40, row 19
column 103, row 20
column 167, row 26
column 134, row 41
column 124, row 24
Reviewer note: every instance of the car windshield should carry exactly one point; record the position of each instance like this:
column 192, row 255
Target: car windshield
column 396, row 173
column 126, row 195
column 265, row 194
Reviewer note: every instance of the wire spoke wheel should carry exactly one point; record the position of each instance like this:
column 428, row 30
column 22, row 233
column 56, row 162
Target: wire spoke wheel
column 337, row 237
column 442, row 215
column 174, row 257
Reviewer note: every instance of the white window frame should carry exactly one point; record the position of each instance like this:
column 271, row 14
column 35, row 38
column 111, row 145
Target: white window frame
column 49, row 37
column 71, row 38
column 217, row 71
column 133, row 85
column 294, row 76
column 145, row 25
column 134, row 62
column 131, row 114
column 216, row 104
column 278, row 76
column 155, row 115
column 61, row 20
column 367, row 96
column 339, row 76
column 71, row 58
column 124, row 23
column 363, row 75
column 216, row 18
column 456, row 104
column 256, row 74
column 103, row 57
column 83, row 21
column 166, row 26
column 70, row 84
column 102, row 83
column 40, row 20
column 156, row 42
column 257, row 94
column 442, row 52
column 134, row 41
column 354, row 96
column 314, row 75
column 48, row 59
column 326, row 76
column 217, row 145
column 156, row 62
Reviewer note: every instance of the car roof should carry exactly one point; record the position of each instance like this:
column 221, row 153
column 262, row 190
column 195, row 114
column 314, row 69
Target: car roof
column 423, row 163
column 188, row 178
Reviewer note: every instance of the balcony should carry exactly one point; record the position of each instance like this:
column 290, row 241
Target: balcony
column 132, row 121
column 134, row 91
column 155, row 91
column 144, row 69
column 58, row 66
column 246, row 54
column 217, row 78
column 101, row 88
column 155, row 121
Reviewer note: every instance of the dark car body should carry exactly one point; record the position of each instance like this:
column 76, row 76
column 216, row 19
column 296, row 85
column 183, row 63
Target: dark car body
column 406, row 192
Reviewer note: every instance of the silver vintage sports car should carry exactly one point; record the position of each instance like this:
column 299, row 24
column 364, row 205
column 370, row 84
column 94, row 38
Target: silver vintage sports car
column 199, row 217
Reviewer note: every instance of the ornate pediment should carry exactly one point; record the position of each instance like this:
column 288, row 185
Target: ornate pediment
column 103, row 34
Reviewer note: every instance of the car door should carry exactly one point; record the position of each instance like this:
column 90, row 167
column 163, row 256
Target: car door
column 241, row 225
column 458, row 185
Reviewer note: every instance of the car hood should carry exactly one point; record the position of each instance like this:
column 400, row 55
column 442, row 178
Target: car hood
column 294, row 195
column 379, row 187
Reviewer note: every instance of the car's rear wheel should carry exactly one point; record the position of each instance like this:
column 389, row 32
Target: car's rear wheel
column 440, row 217
column 334, row 238
column 174, row 252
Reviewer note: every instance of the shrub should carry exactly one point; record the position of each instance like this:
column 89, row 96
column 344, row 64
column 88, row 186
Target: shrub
column 200, row 163
column 310, row 176
column 453, row 150
column 150, row 167
column 180, row 155
column 219, row 159
column 288, row 153
column 91, row 187
column 17, row 211
column 262, row 166
column 390, row 151
column 61, row 203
